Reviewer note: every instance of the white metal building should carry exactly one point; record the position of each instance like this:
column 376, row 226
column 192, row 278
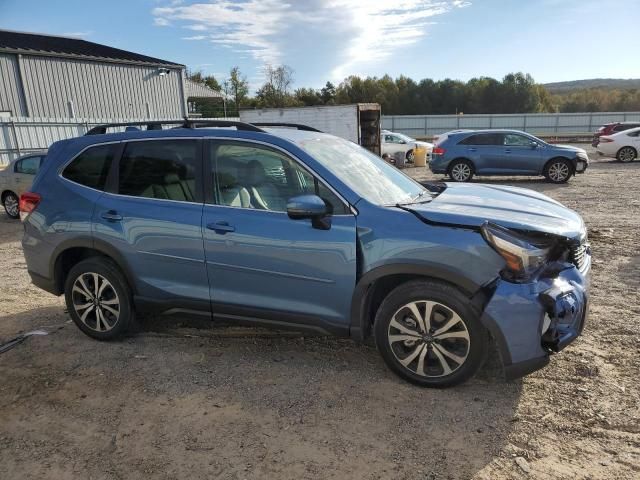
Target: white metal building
column 58, row 77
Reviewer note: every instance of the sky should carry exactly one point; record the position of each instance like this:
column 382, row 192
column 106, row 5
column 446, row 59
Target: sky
column 553, row 40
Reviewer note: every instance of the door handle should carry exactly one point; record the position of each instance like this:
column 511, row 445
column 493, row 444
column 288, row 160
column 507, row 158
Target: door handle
column 111, row 216
column 507, row 150
column 473, row 149
column 221, row 227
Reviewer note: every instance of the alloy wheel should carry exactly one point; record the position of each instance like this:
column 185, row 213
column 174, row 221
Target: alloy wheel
column 626, row 154
column 559, row 172
column 11, row 205
column 429, row 338
column 461, row 172
column 411, row 155
column 96, row 302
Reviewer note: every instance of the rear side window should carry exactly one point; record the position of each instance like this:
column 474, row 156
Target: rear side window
column 484, row 139
column 162, row 169
column 91, row 167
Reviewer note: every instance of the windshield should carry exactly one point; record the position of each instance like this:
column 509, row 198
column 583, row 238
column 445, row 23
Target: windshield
column 365, row 173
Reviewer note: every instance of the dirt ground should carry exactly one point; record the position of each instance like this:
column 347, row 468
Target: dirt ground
column 184, row 400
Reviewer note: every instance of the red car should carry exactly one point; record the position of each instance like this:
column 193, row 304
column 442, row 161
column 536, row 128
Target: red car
column 611, row 128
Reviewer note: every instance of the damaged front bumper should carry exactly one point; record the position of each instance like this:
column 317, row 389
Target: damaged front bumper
column 529, row 321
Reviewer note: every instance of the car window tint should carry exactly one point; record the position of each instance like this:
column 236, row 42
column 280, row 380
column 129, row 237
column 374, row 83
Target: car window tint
column 257, row 177
column 28, row 166
column 484, row 139
column 91, row 167
column 513, row 139
column 162, row 169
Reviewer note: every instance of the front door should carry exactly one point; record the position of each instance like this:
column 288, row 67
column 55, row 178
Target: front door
column 520, row 155
column 152, row 214
column 263, row 266
column 25, row 171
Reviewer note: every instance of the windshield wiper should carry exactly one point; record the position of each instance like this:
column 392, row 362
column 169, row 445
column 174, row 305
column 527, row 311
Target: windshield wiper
column 417, row 199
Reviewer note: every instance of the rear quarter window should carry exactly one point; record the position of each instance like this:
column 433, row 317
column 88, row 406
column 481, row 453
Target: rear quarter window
column 91, row 167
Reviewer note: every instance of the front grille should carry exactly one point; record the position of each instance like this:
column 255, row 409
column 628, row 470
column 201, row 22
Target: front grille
column 579, row 255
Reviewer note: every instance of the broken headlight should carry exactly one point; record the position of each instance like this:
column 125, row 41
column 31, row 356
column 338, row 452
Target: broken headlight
column 523, row 257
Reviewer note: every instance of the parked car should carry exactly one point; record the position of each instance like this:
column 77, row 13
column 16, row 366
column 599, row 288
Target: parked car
column 202, row 220
column 463, row 154
column 612, row 128
column 16, row 179
column 394, row 143
column 623, row 145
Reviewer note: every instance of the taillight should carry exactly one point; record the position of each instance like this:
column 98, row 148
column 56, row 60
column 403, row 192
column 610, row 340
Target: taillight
column 605, row 139
column 28, row 203
column 438, row 151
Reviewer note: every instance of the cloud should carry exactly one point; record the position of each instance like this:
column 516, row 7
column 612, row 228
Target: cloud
column 78, row 34
column 251, row 25
column 375, row 29
column 367, row 31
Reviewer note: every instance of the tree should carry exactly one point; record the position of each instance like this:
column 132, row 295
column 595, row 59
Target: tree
column 236, row 87
column 275, row 91
column 328, row 94
column 208, row 80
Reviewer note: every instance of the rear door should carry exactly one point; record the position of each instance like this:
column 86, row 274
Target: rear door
column 151, row 214
column 483, row 149
column 263, row 266
column 520, row 155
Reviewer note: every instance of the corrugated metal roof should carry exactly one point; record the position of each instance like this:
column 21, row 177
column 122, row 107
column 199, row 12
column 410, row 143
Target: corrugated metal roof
column 199, row 90
column 40, row 44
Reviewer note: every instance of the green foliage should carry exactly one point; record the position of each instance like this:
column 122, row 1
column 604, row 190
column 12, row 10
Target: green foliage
column 515, row 93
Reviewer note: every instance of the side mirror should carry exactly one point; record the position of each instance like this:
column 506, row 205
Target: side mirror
column 309, row 207
column 534, row 145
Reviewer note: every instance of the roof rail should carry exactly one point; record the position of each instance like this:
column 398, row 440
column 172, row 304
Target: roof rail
column 298, row 126
column 183, row 123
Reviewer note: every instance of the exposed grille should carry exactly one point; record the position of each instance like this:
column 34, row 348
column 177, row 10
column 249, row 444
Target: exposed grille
column 579, row 255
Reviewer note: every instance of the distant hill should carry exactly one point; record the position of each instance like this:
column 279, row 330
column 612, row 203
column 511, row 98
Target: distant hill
column 605, row 83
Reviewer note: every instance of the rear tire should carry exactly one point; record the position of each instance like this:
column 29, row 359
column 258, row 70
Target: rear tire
column 411, row 156
column 626, row 154
column 461, row 171
column 558, row 170
column 99, row 298
column 11, row 204
column 444, row 347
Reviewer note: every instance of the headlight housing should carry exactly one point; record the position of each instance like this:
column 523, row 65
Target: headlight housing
column 522, row 256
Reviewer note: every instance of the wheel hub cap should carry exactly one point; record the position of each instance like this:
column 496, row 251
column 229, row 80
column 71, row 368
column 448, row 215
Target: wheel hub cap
column 96, row 302
column 429, row 338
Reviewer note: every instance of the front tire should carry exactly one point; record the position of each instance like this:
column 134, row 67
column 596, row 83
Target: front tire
column 558, row 171
column 428, row 334
column 461, row 171
column 11, row 204
column 626, row 154
column 98, row 298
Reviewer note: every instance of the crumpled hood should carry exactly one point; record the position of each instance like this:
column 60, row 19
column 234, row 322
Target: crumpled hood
column 512, row 207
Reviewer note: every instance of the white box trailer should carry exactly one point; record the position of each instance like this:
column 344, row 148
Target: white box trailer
column 359, row 123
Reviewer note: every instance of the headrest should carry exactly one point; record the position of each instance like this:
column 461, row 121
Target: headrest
column 171, row 178
column 255, row 173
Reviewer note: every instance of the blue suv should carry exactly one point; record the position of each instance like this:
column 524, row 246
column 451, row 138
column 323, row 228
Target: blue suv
column 461, row 154
column 290, row 227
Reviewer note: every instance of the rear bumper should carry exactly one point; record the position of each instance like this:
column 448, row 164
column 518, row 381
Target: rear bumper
column 529, row 322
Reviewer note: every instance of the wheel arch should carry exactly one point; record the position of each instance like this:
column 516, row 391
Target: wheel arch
column 572, row 162
column 70, row 253
column 376, row 284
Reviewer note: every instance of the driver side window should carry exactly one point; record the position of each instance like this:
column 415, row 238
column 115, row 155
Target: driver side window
column 261, row 178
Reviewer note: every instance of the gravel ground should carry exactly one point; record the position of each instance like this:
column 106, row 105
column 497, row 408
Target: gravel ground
column 181, row 399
